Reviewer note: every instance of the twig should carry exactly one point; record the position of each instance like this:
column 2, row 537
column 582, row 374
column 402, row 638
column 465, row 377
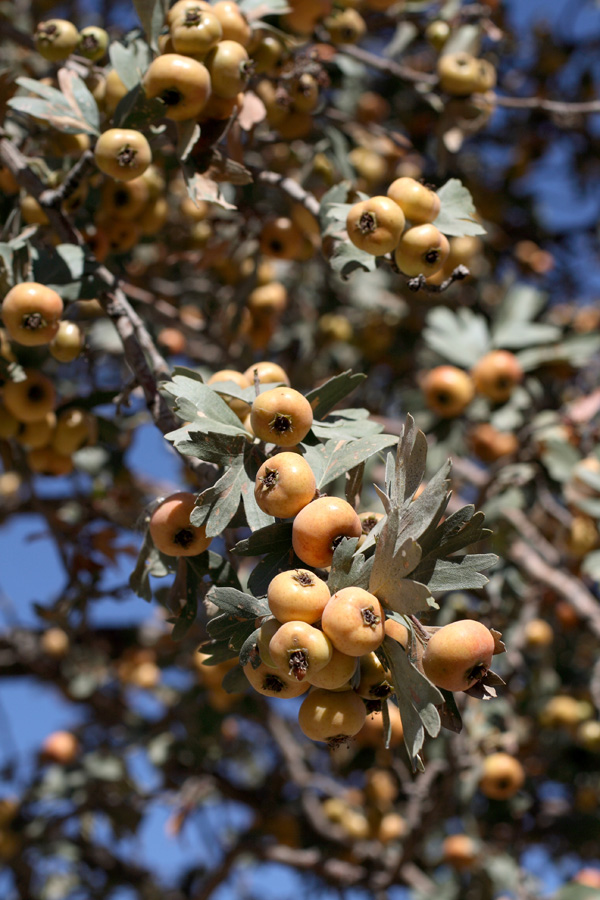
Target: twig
column 291, row 188
column 527, row 530
column 71, row 182
column 560, row 107
column 389, row 66
column 420, row 282
column 559, row 581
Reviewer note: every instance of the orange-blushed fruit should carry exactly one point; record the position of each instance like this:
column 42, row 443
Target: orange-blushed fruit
column 297, row 595
column 497, row 374
column 502, row 776
column 458, row 655
column 375, row 225
column 448, row 390
column 354, row 622
column 274, row 683
column 171, row 530
column 31, row 399
column 284, row 484
column 331, row 716
column 182, row 83
column 60, row 747
column 281, row 416
column 422, row 250
column 31, row 313
column 320, row 526
column 122, row 153
column 299, row 649
column 418, row 203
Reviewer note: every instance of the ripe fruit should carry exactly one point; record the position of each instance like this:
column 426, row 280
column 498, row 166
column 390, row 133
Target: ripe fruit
column 397, row 631
column 297, row 596
column 115, row 90
column 74, row 428
column 229, row 68
column 60, row 747
column 93, row 42
column 182, row 83
column 56, row 39
column 265, row 633
column 272, row 683
column 239, row 407
column 345, row 26
column 418, row 203
column 46, row 461
column 233, row 22
column 422, row 251
column 375, row 225
column 281, row 416
column 353, row 621
column 459, row 73
column 502, row 776
column 31, row 313
column 497, row 374
column 267, row 300
column 458, row 655
column 67, row 343
column 285, row 483
column 170, row 527
column 489, row 444
column 331, row 716
column 125, row 200
column 9, row 424
column 319, row 527
column 459, row 851
column 122, row 153
column 299, row 649
column 281, row 238
column 448, row 391
column 268, row 373
column 37, row 434
column 30, row 400
column 371, row 734
column 55, row 642
column 336, row 674
column 375, row 680
column 196, row 32
column 538, row 634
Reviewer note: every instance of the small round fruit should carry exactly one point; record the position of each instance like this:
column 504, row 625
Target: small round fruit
column 182, row 7
column 67, row 343
column 371, row 734
column 486, row 76
column 285, row 483
column 115, row 90
column 125, row 200
column 267, row 300
column 34, row 435
column 56, row 39
column 418, row 203
column 298, row 649
column 182, row 83
column 265, row 633
column 501, row 777
column 422, row 250
column 368, row 521
column 458, row 655
column 229, row 66
column 74, row 428
column 31, row 399
column 336, row 674
column 31, row 313
column 458, row 73
column 375, row 680
column 297, row 595
column 539, row 634
column 437, row 33
column 272, row 683
column 353, row 621
column 55, row 642
column 196, row 32
column 497, row 374
column 489, row 444
column 9, row 424
column 268, row 373
column 331, row 716
column 397, row 631
column 32, row 211
column 319, row 527
column 345, row 26
column 460, row 851
column 170, row 527
column 281, row 239
column 375, row 225
column 122, row 153
column 46, row 461
column 93, row 42
column 448, row 391
column 233, row 22
column 239, row 407
column 60, row 747
column 281, row 416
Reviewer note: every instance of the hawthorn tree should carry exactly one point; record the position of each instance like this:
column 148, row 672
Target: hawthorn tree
column 304, row 242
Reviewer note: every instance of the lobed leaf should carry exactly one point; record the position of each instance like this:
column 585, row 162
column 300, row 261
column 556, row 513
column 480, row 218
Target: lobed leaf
column 457, row 214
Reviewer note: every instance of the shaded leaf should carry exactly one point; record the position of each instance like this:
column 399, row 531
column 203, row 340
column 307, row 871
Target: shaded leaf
column 237, row 603
column 272, row 539
column 456, row 573
column 461, row 337
column 347, row 569
column 218, row 504
column 327, row 395
column 235, row 682
column 152, row 14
